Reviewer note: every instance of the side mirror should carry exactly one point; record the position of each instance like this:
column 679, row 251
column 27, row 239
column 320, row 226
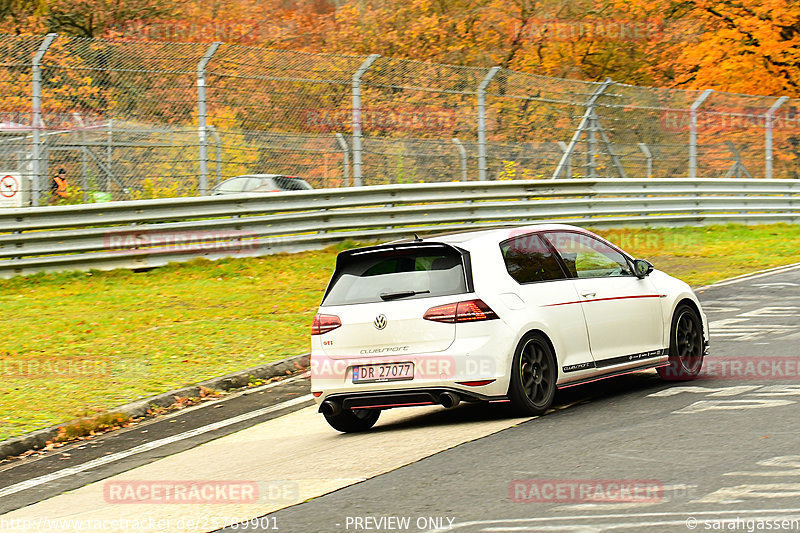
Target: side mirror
column 642, row 268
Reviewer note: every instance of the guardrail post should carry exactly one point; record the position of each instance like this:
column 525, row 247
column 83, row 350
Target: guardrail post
column 357, row 149
column 693, row 132
column 346, row 157
column 649, row 156
column 202, row 113
column 768, row 135
column 36, row 68
column 462, row 155
column 587, row 116
column 482, row 121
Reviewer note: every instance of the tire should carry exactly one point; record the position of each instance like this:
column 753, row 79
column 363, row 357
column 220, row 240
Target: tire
column 353, row 421
column 533, row 376
column 685, row 346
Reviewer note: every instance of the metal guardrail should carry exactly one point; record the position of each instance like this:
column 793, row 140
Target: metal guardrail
column 148, row 233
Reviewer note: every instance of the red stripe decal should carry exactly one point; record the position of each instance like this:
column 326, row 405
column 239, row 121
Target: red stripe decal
column 606, row 299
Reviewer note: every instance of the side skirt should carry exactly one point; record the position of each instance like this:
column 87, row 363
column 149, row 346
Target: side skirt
column 612, row 374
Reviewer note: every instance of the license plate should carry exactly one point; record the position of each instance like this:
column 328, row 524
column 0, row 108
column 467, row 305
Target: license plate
column 383, row 372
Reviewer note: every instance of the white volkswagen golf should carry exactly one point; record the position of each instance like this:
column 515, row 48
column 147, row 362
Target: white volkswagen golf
column 494, row 315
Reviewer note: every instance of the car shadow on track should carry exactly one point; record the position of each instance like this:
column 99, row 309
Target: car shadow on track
column 604, row 390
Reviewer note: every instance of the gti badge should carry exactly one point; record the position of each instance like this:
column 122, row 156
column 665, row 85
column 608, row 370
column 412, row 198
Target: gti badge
column 379, row 322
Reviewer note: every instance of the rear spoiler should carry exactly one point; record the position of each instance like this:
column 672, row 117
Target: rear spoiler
column 347, row 256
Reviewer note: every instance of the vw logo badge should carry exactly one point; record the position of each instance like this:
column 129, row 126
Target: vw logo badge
column 379, row 322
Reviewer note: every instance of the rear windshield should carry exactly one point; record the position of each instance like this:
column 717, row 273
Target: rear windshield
column 290, row 184
column 397, row 274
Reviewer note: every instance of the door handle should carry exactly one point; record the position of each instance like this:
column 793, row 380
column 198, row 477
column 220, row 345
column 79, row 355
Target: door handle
column 589, row 294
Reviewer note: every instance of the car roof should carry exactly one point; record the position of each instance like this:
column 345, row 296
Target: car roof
column 496, row 234
column 267, row 176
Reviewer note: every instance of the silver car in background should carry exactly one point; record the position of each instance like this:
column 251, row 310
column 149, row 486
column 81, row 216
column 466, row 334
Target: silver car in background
column 261, row 183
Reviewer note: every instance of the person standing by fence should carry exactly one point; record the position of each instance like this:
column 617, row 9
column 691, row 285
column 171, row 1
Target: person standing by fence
column 58, row 187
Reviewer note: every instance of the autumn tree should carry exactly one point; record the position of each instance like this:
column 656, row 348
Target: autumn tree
column 747, row 46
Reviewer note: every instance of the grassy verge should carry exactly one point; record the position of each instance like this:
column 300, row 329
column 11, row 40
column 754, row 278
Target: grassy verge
column 78, row 343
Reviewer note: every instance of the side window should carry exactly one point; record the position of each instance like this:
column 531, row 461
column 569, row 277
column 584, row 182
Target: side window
column 232, row 185
column 528, row 259
column 586, row 257
column 254, row 183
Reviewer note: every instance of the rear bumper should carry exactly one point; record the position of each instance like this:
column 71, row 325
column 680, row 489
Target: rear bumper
column 485, row 355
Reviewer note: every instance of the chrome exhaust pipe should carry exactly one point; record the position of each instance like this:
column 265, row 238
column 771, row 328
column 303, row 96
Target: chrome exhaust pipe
column 449, row 399
column 330, row 408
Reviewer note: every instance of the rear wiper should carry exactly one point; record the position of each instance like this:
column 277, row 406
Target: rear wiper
column 400, row 294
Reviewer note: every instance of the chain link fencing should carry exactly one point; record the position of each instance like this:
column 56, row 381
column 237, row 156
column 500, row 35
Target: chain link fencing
column 134, row 120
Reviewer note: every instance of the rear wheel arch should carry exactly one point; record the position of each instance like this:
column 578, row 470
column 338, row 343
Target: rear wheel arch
column 545, row 336
column 533, row 374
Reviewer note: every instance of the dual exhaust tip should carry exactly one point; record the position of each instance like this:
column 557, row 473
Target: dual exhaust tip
column 447, row 399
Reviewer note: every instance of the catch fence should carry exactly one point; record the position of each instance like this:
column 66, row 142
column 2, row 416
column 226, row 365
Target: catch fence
column 133, row 120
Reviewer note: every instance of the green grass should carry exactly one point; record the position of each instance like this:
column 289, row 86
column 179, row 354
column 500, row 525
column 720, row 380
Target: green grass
column 139, row 334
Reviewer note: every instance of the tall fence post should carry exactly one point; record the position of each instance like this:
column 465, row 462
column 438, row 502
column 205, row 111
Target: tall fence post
column 693, row 132
column 462, row 156
column 588, row 116
column 37, row 116
column 109, row 154
column 202, row 114
column 357, row 149
column 564, row 148
column 768, row 135
column 482, row 167
column 218, row 152
column 345, row 156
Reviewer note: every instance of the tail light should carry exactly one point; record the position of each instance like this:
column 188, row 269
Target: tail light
column 324, row 323
column 469, row 311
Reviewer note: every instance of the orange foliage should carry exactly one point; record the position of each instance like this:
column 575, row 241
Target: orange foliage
column 750, row 46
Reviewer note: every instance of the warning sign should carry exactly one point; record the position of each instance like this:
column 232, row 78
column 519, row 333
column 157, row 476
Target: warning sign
column 10, row 190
